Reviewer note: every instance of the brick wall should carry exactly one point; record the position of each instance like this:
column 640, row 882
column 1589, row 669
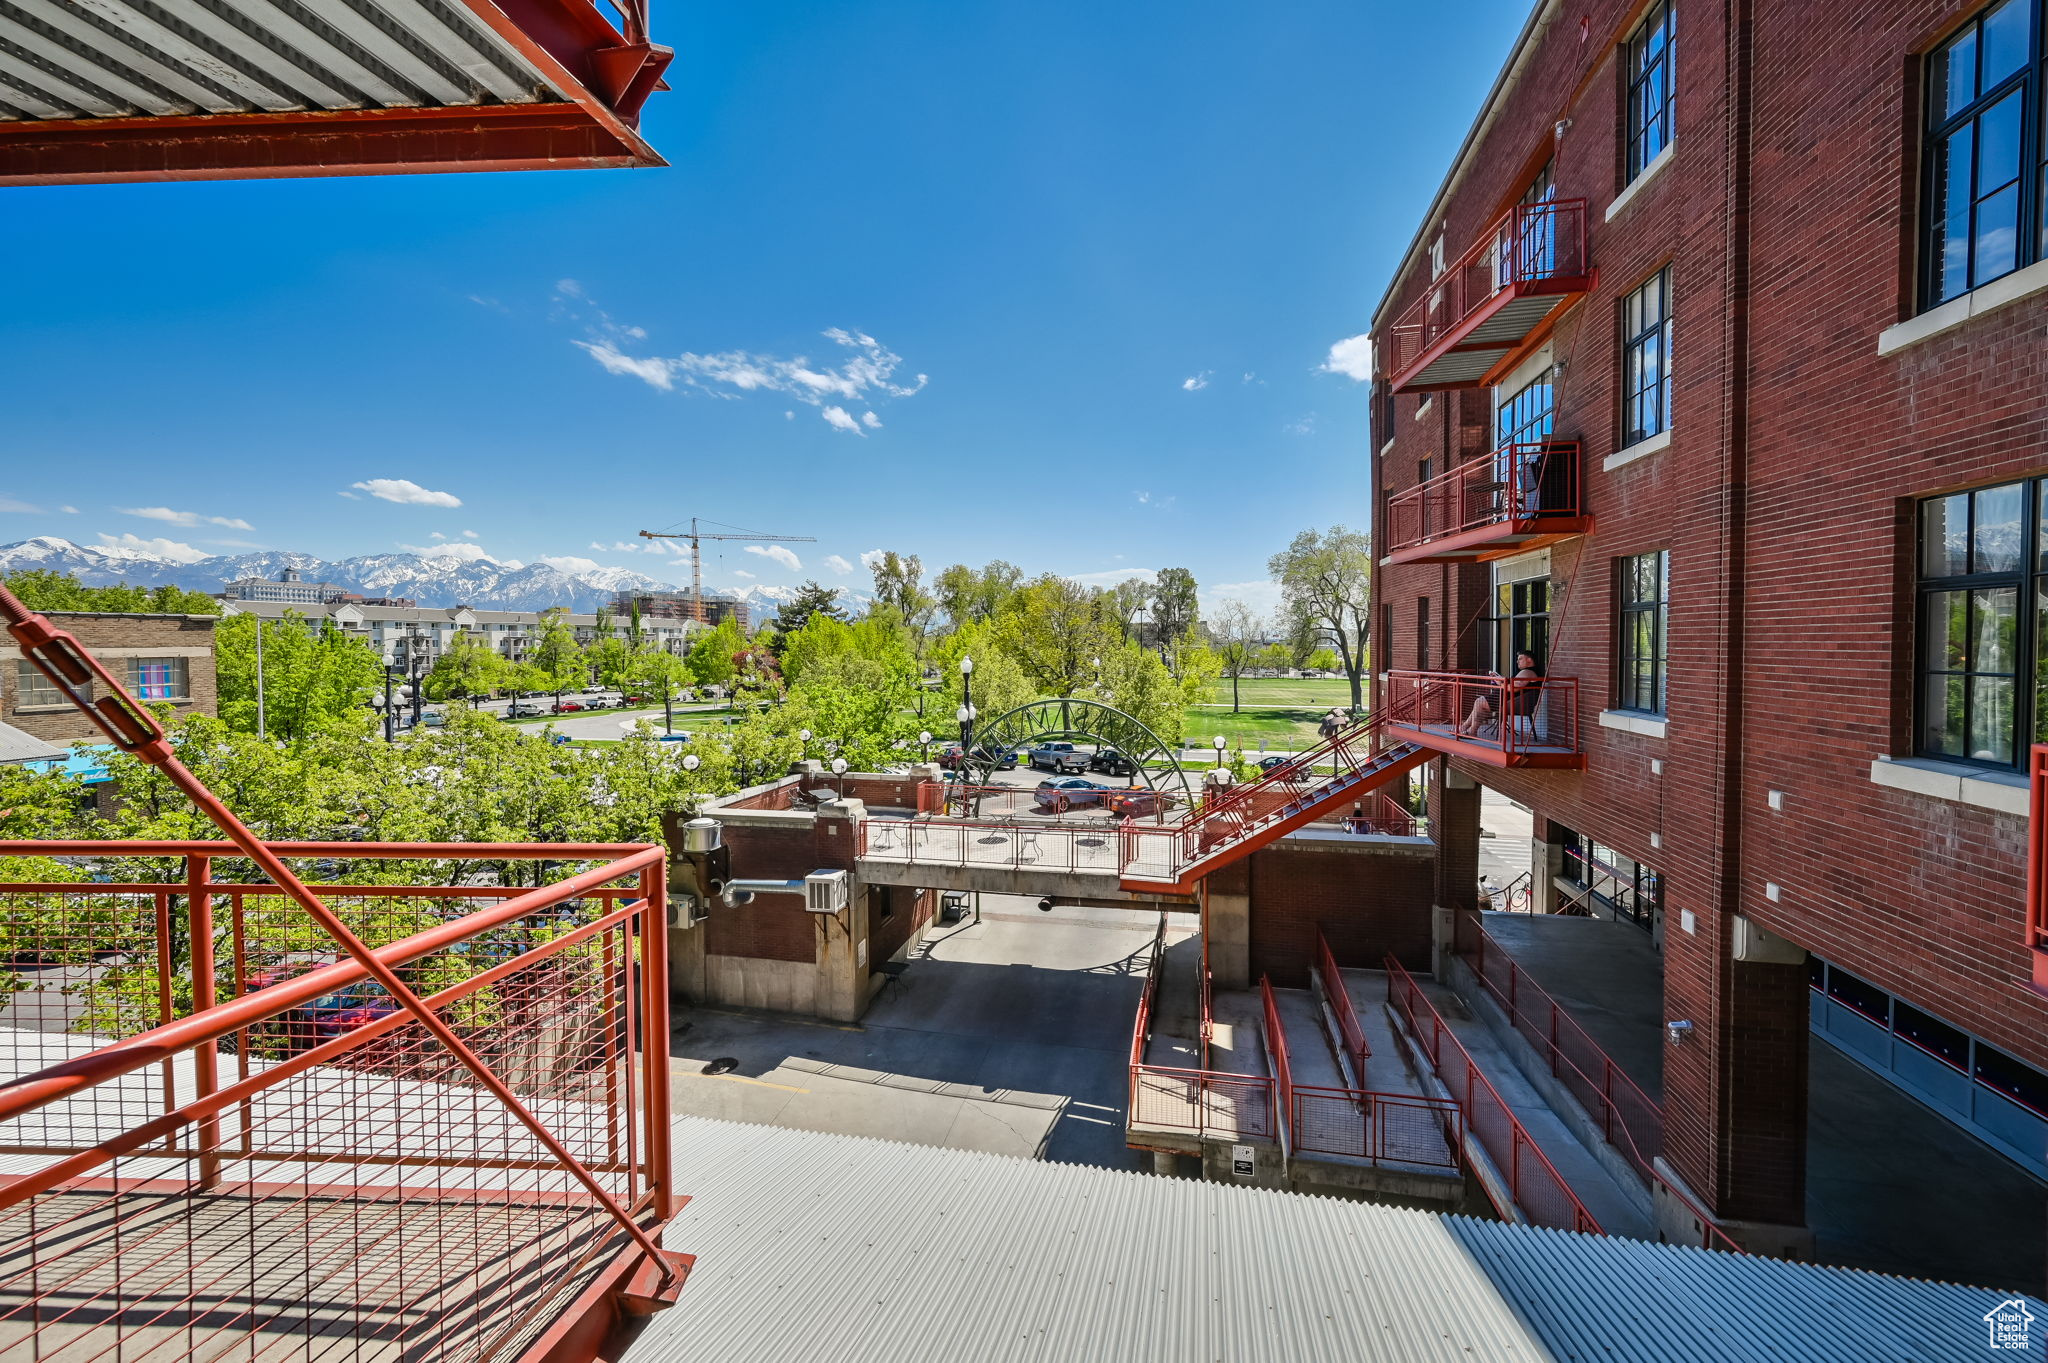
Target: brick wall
column 115, row 639
column 1368, row 906
column 776, row 926
column 1783, row 498
column 909, row 910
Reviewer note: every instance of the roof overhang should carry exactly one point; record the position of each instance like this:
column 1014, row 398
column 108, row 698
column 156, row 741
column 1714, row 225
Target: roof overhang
column 120, row 90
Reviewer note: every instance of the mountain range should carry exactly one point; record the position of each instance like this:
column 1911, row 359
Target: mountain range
column 430, row 579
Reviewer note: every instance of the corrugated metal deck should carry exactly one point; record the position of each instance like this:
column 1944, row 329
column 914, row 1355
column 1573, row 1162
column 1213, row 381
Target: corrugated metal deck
column 813, row 1246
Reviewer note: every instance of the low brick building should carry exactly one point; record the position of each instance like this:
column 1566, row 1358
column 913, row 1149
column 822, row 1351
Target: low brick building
column 159, row 658
column 1710, row 472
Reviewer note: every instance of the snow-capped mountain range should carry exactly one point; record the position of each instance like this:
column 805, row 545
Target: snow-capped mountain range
column 430, row 579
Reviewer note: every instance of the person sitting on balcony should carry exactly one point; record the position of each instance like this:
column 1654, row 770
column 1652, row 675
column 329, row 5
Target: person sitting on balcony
column 1479, row 718
column 1525, row 693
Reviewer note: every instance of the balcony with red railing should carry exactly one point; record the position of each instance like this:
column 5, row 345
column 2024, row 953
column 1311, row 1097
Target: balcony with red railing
column 1494, row 303
column 1520, row 497
column 1486, row 718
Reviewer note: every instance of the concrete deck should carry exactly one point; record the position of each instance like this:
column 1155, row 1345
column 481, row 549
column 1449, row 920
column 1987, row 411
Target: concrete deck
column 1309, row 1056
column 1010, row 1037
column 1236, row 1040
column 1891, row 1184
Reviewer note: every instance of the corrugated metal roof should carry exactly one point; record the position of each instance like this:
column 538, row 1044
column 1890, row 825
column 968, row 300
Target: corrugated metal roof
column 815, row 1246
column 123, row 58
column 16, row 746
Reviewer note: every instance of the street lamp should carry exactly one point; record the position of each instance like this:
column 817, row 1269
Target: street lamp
column 965, row 714
column 1221, row 744
column 839, row 766
column 924, row 743
column 691, row 761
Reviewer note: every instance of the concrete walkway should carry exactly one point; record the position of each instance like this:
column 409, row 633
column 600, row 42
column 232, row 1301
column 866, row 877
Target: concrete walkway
column 1310, row 1059
column 1236, row 1040
column 1891, row 1185
column 1620, row 1210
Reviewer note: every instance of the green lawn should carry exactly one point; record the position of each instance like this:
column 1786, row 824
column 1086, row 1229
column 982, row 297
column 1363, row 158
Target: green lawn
column 1252, row 729
column 1307, row 692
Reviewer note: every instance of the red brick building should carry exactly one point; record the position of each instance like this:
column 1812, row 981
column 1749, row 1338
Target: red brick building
column 1713, row 381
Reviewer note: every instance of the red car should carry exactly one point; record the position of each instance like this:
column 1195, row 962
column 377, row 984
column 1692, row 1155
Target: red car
column 568, row 707
column 1138, row 803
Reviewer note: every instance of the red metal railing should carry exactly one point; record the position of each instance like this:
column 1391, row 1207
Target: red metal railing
column 1519, row 719
column 1533, row 1182
column 1514, row 485
column 1339, row 997
column 1276, row 1051
column 416, row 1163
column 231, row 1139
column 1018, row 847
column 1203, row 1102
column 1532, row 248
column 1629, row 1119
column 958, row 799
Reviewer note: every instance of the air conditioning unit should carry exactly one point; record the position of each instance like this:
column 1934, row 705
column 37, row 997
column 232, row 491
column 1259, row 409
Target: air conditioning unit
column 827, row 891
column 686, row 910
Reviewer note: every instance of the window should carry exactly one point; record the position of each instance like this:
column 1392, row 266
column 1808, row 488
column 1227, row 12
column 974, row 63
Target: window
column 1521, row 424
column 1520, row 622
column 1422, row 633
column 1983, row 621
column 1525, row 416
column 1646, row 359
column 1630, row 889
column 1649, row 89
column 1984, row 212
column 158, row 678
column 1866, row 999
column 32, row 689
column 1644, row 597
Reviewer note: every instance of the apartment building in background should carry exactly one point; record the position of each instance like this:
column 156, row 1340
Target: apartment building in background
column 400, row 633
column 709, row 610
column 1711, row 495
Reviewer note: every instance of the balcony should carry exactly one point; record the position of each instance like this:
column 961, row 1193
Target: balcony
column 1522, row 497
column 1494, row 303
column 328, row 87
column 1486, row 718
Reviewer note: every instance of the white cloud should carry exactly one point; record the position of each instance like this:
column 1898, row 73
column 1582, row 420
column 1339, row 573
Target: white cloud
column 190, row 520
column 838, row 564
column 865, row 375
column 871, row 421
column 1154, row 499
column 26, row 508
column 470, row 535
column 837, row 418
column 164, row 549
column 437, row 535
column 872, row 557
column 1111, row 577
column 1351, row 357
column 68, row 510
column 779, row 555
column 1197, row 382
column 405, row 492
column 568, row 288
column 1263, row 596
column 569, row 563
column 350, row 495
column 461, row 553
column 743, row 573
column 621, row 547
column 1305, row 426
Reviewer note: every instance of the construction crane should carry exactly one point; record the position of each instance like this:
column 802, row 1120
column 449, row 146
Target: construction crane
column 694, row 535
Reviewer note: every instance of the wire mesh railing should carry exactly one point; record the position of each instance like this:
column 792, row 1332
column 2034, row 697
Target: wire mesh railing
column 1532, row 248
column 1517, row 717
column 1338, row 997
column 232, row 1141
column 1517, row 484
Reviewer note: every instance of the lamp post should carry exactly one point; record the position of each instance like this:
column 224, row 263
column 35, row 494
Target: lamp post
column 965, row 714
column 1221, row 743
column 924, row 745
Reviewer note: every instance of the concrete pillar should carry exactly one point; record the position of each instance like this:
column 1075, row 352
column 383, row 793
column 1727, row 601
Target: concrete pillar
column 1166, row 1164
column 1735, row 1084
column 1454, row 827
column 1227, row 924
column 842, row 964
column 1546, row 861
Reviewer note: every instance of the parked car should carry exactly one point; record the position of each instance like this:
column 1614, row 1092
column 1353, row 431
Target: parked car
column 949, row 757
column 1110, row 762
column 567, row 707
column 344, row 1010
column 433, row 719
column 1269, row 765
column 519, row 710
column 1058, row 757
column 1137, row 803
column 1062, row 793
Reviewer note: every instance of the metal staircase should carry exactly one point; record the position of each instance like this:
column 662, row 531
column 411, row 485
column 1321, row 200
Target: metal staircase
column 1243, row 819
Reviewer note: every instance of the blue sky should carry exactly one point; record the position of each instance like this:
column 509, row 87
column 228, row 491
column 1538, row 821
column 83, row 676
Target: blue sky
column 1082, row 263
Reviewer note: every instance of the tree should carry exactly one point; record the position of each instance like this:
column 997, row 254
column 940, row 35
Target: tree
column 969, row 597
column 712, row 657
column 1056, row 629
column 1124, row 601
column 1137, row 683
column 999, row 683
column 1325, row 579
column 1301, row 641
column 650, row 671
column 1236, row 631
column 1322, row 660
column 41, row 589
column 556, row 655
column 466, row 670
column 899, row 584
column 315, row 676
column 813, row 599
column 1175, row 612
